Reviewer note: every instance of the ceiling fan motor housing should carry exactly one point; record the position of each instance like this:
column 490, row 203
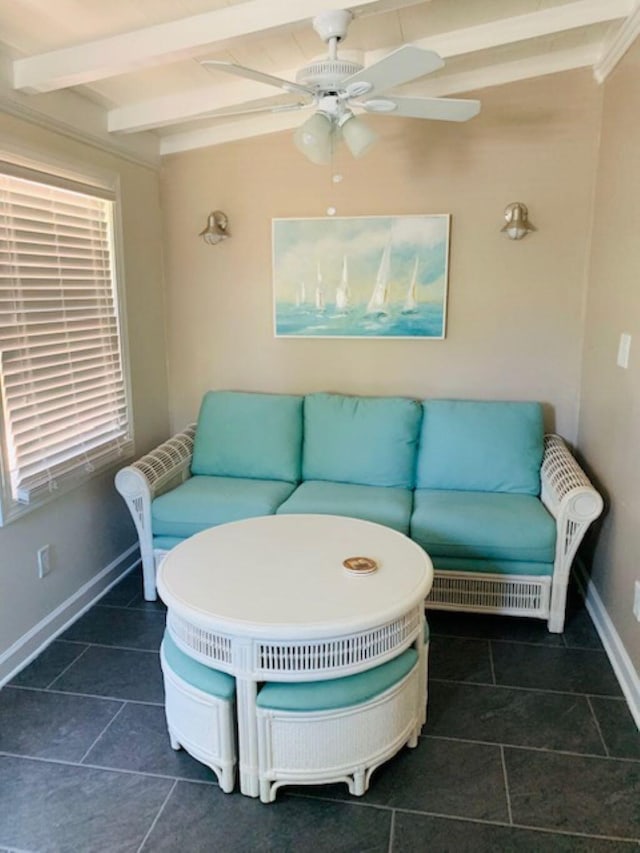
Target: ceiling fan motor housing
column 326, row 75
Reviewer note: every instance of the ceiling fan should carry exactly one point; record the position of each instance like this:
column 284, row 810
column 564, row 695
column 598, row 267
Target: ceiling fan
column 335, row 87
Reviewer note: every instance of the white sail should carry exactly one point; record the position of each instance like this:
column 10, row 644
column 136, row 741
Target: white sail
column 343, row 295
column 301, row 294
column 319, row 296
column 410, row 302
column 378, row 302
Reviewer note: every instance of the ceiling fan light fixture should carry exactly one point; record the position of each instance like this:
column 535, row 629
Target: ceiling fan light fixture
column 357, row 136
column 313, row 138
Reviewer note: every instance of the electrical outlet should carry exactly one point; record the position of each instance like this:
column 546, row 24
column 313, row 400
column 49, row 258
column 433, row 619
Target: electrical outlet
column 636, row 601
column 44, row 560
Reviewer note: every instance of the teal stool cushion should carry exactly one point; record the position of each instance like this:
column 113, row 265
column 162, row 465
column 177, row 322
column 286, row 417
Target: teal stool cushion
column 388, row 506
column 490, row 446
column 483, row 526
column 371, row 441
column 197, row 674
column 337, row 692
column 202, row 502
column 256, row 436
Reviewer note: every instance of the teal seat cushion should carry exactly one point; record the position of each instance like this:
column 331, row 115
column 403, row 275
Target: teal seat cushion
column 337, row 692
column 492, row 567
column 388, row 506
column 371, row 441
column 202, row 502
column 203, row 677
column 483, row 526
column 256, row 436
column 485, row 446
column 166, row 543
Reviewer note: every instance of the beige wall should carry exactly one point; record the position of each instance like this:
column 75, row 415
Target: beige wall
column 90, row 527
column 609, row 435
column 515, row 308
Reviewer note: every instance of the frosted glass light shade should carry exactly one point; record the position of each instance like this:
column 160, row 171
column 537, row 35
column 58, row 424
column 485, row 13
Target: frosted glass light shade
column 357, row 136
column 313, row 138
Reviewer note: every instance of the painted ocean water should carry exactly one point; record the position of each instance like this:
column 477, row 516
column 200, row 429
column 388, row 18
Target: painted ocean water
column 426, row 321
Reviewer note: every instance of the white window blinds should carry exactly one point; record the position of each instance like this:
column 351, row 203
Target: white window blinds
column 64, row 395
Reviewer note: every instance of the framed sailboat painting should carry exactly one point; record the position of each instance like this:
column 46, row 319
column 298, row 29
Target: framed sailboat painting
column 361, row 277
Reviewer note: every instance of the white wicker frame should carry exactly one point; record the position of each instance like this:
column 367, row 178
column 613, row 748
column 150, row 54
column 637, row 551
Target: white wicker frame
column 566, row 492
column 201, row 724
column 341, row 745
column 157, row 472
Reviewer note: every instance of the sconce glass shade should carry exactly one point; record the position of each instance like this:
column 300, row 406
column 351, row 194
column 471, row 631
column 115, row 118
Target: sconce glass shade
column 314, row 138
column 216, row 229
column 518, row 225
column 357, row 136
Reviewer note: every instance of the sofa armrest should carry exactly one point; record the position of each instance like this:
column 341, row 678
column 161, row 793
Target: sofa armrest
column 139, row 483
column 574, row 503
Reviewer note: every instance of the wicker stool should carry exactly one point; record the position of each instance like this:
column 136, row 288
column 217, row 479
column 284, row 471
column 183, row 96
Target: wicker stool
column 199, row 705
column 338, row 730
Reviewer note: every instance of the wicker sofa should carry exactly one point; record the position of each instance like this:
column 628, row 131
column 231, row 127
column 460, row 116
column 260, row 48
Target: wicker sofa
column 500, row 507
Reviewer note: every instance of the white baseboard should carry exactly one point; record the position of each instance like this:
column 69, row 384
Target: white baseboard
column 620, row 660
column 31, row 644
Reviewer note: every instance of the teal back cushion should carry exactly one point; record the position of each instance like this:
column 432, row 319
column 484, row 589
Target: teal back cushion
column 492, row 446
column 249, row 435
column 371, row 441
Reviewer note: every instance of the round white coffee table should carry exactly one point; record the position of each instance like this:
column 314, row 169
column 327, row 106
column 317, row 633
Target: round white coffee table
column 268, row 599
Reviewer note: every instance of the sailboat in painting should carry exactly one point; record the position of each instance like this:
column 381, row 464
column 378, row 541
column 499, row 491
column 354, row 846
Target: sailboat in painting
column 377, row 306
column 301, row 295
column 410, row 302
column 319, row 296
column 343, row 295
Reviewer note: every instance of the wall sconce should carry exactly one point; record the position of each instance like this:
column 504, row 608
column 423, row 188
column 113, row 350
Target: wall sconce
column 216, row 230
column 518, row 225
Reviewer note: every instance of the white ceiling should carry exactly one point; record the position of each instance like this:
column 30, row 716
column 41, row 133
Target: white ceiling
column 137, row 61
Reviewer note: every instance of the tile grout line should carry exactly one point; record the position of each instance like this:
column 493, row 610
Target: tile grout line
column 597, row 724
column 466, row 819
column 115, row 716
column 213, row 783
column 529, row 689
column 544, row 749
column 59, row 692
column 111, row 646
column 506, row 784
column 392, row 828
column 491, row 662
column 75, row 660
column 157, row 817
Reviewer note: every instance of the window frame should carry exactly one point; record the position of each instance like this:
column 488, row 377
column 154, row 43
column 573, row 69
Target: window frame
column 89, row 177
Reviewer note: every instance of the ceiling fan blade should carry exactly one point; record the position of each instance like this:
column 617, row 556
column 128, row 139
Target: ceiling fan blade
column 438, row 109
column 400, row 66
column 252, row 74
column 279, row 108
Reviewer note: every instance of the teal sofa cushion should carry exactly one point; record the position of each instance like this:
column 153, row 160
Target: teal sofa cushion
column 166, row 543
column 256, row 436
column 203, row 677
column 337, row 692
column 203, row 502
column 483, row 526
column 492, row 567
column 370, row 441
column 484, row 446
column 388, row 506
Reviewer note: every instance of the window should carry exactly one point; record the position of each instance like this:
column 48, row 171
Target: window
column 63, row 389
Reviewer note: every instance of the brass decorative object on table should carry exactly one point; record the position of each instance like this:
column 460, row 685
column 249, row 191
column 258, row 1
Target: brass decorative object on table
column 360, row 565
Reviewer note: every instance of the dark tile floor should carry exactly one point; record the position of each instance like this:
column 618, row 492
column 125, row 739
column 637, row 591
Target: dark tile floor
column 529, row 746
